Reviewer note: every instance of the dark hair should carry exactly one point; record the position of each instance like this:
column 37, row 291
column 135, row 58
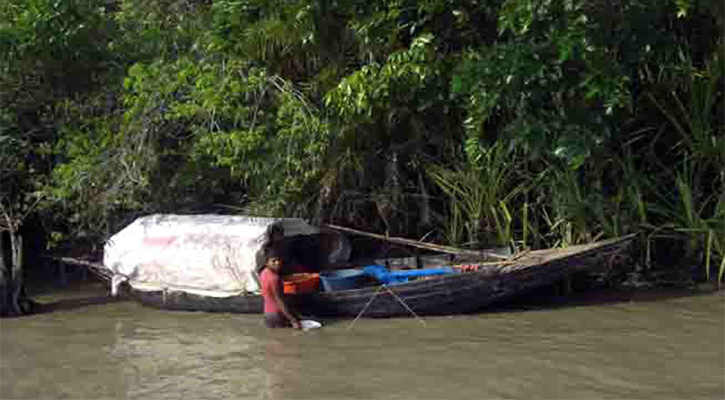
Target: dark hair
column 275, row 229
column 273, row 252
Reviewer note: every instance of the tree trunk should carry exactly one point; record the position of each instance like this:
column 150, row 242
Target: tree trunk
column 425, row 207
column 16, row 243
column 12, row 295
column 5, row 280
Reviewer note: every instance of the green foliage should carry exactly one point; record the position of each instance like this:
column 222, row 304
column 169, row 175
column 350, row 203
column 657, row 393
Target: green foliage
column 374, row 88
column 158, row 29
column 264, row 31
column 547, row 84
column 47, row 30
column 493, row 122
column 50, row 51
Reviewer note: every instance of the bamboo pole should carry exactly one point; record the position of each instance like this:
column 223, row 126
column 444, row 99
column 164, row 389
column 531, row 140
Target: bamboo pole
column 422, row 245
column 98, row 269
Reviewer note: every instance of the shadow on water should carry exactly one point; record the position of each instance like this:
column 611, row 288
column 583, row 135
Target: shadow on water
column 75, row 303
column 32, row 307
column 547, row 298
column 48, row 297
column 544, row 299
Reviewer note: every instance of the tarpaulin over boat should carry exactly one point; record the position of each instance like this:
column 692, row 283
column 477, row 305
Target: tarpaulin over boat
column 211, row 255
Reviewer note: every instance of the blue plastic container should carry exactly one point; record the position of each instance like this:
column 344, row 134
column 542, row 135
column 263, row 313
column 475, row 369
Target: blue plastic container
column 390, row 278
column 342, row 279
column 414, row 273
column 375, row 270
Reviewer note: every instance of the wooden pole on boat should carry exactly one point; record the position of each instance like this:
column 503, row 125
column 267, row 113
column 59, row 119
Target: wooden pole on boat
column 421, row 245
column 98, row 269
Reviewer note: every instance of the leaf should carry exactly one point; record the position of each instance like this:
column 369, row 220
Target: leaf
column 457, row 84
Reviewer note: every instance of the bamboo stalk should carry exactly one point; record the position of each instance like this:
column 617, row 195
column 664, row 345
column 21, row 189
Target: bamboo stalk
column 98, row 269
column 422, row 245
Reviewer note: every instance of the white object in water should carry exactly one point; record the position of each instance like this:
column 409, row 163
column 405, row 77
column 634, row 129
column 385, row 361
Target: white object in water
column 116, row 281
column 308, row 324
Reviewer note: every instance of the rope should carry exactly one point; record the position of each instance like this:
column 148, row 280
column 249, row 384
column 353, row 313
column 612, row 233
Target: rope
column 394, row 295
column 365, row 308
column 404, row 304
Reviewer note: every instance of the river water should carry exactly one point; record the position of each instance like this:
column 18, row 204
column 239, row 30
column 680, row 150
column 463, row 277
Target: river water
column 671, row 348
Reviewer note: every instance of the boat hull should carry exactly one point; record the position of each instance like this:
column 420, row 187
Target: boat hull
column 449, row 294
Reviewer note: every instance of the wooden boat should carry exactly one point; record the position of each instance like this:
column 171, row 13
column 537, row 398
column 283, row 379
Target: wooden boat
column 493, row 283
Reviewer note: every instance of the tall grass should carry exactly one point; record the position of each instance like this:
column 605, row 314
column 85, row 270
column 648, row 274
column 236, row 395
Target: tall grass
column 689, row 199
column 479, row 195
column 497, row 201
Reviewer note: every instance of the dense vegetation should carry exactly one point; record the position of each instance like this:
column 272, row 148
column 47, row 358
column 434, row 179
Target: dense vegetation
column 532, row 123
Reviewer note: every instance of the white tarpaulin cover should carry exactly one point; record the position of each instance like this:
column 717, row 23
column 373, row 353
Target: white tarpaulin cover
column 211, row 255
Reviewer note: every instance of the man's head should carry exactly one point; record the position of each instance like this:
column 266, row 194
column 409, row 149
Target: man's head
column 276, row 233
column 274, row 258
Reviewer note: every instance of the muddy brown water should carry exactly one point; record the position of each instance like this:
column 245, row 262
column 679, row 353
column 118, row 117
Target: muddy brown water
column 671, row 348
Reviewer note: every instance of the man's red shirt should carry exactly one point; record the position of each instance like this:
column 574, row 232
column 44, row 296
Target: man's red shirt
column 271, row 282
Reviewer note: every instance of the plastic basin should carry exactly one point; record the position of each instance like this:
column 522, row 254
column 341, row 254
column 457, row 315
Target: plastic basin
column 301, row 283
column 343, row 279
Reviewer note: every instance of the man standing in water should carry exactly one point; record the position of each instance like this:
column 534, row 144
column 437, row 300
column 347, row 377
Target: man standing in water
column 276, row 312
